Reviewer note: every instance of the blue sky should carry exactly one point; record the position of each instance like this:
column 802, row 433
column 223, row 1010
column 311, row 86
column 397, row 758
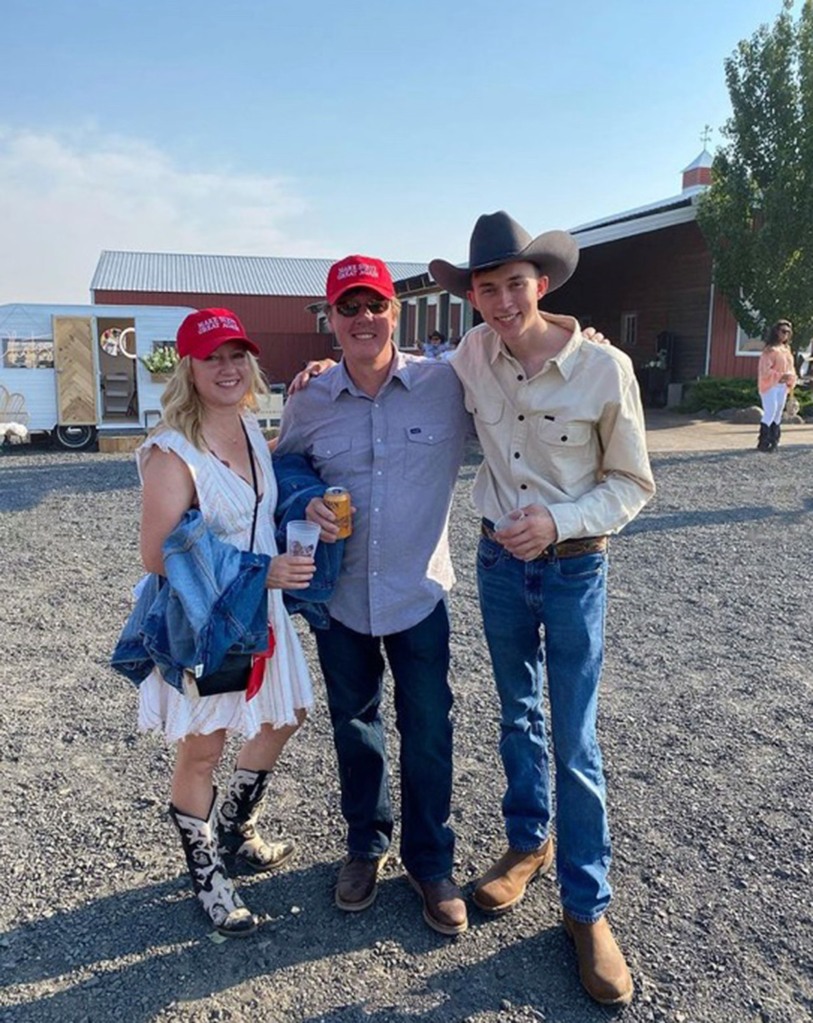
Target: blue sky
column 278, row 128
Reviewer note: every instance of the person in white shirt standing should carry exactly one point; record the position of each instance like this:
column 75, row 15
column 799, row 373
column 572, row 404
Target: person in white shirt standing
column 562, row 431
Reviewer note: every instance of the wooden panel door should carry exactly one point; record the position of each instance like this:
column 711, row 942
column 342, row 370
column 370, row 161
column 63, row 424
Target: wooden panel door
column 75, row 371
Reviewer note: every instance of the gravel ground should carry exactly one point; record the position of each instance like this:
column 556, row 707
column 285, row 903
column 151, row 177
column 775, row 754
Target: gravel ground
column 706, row 725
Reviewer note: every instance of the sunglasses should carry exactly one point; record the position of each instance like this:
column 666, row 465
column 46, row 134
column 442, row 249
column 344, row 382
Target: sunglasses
column 376, row 306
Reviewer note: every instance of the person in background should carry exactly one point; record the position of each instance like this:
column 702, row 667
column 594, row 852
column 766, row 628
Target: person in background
column 451, row 348
column 776, row 378
column 208, row 453
column 565, row 462
column 392, row 429
column 435, row 346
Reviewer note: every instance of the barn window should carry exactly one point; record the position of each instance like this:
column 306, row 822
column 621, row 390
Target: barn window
column 746, row 345
column 629, row 330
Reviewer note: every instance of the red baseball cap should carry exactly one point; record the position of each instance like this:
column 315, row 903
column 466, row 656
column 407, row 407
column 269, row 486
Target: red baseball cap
column 207, row 329
column 359, row 272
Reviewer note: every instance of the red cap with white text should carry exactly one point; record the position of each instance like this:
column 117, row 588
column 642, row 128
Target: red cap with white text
column 359, row 272
column 203, row 332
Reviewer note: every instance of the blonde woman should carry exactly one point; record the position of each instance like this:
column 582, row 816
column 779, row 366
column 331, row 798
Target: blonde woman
column 208, row 453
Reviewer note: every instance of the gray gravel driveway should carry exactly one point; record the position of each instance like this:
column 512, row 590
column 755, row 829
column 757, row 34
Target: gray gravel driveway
column 706, row 725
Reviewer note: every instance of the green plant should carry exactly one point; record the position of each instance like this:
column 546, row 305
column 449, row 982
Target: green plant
column 162, row 359
column 715, row 394
column 756, row 215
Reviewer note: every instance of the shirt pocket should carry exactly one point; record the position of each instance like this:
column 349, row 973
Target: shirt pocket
column 324, row 451
column 485, row 409
column 567, row 444
column 424, row 448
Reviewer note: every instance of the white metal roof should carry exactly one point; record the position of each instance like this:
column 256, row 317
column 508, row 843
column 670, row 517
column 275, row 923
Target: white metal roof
column 171, row 272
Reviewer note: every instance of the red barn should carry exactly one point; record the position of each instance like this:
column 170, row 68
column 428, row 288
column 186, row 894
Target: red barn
column 269, row 294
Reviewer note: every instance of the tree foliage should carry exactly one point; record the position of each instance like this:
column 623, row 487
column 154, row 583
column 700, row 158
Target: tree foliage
column 757, row 216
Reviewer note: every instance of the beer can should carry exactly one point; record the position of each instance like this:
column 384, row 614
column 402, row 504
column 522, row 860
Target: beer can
column 338, row 500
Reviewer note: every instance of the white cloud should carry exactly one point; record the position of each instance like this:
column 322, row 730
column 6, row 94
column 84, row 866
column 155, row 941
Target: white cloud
column 65, row 197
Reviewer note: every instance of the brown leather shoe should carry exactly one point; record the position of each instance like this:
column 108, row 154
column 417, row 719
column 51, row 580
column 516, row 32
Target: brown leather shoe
column 357, row 885
column 602, row 969
column 502, row 887
column 443, row 906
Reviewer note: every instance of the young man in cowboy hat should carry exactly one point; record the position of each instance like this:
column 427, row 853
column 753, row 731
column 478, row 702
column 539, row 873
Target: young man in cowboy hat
column 562, row 432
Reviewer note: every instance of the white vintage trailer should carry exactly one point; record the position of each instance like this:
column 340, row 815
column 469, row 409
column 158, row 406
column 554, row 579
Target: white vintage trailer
column 75, row 371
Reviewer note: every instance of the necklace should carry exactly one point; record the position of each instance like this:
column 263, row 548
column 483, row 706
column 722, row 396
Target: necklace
column 218, row 438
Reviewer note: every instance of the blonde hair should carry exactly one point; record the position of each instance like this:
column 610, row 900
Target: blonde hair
column 183, row 409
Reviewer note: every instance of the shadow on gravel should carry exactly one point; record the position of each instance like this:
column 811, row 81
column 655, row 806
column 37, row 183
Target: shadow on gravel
column 148, row 950
column 25, row 486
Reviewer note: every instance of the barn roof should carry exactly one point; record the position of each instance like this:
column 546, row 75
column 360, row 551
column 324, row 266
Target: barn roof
column 174, row 272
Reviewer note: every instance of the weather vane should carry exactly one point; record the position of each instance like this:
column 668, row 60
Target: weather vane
column 705, row 138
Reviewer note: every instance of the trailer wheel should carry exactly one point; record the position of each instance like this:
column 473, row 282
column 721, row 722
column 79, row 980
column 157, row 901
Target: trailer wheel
column 74, row 438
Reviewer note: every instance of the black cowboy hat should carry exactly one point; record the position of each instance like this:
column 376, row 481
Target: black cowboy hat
column 498, row 239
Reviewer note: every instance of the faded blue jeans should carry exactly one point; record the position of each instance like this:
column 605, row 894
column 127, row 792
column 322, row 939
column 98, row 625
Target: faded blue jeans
column 546, row 617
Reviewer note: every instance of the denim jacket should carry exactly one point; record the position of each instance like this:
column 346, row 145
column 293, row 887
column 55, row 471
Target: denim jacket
column 297, row 483
column 213, row 601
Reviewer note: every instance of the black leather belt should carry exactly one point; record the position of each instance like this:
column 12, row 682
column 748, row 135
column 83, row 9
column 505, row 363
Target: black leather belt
column 564, row 549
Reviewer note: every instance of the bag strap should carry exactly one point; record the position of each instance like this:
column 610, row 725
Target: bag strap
column 253, row 484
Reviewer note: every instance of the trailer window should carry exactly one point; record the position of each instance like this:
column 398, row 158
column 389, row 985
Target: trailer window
column 35, row 353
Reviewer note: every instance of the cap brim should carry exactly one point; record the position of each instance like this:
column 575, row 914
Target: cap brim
column 365, row 286
column 205, row 350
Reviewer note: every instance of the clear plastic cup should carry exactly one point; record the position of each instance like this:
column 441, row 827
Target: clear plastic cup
column 509, row 519
column 302, row 537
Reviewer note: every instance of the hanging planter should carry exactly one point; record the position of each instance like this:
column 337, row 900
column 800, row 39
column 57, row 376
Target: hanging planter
column 161, row 362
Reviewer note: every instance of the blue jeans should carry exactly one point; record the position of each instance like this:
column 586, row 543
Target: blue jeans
column 567, row 599
column 353, row 667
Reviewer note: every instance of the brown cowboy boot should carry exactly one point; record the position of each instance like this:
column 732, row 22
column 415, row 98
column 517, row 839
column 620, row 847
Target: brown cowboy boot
column 357, row 884
column 602, row 969
column 443, row 906
column 504, row 884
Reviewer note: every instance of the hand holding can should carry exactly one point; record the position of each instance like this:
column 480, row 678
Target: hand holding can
column 338, row 500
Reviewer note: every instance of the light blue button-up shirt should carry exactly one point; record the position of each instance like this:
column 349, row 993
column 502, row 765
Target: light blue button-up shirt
column 398, row 454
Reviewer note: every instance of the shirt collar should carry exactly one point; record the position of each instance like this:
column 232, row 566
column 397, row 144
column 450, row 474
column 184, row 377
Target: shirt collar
column 564, row 360
column 342, row 381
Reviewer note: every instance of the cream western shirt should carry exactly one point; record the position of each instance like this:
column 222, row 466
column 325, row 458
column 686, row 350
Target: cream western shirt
column 571, row 437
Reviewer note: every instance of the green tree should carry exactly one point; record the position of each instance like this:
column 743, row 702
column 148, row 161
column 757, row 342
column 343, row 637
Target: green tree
column 757, row 216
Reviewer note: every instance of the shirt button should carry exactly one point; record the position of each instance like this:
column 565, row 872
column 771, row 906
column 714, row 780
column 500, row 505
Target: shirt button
column 521, row 418
column 375, row 509
column 520, row 377
column 563, row 438
column 378, row 472
column 516, row 454
column 523, row 486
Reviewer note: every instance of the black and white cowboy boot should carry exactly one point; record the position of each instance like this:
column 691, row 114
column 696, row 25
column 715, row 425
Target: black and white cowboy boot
column 237, row 817
column 212, row 885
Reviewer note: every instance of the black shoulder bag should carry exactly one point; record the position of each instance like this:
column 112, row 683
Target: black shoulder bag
column 232, row 675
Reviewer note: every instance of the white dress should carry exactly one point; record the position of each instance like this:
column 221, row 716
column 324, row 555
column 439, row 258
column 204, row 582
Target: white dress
column 227, row 505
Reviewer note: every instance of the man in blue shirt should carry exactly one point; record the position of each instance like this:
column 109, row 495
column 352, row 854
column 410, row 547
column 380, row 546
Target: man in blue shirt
column 392, row 429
